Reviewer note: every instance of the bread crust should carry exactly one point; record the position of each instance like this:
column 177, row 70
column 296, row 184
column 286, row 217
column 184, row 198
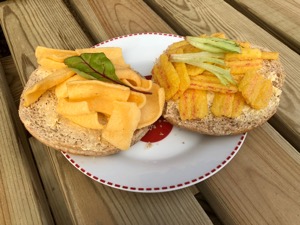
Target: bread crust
column 42, row 121
column 250, row 118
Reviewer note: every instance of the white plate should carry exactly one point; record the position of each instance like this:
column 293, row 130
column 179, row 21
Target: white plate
column 179, row 160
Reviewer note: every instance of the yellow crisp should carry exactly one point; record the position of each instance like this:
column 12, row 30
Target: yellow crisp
column 90, row 121
column 130, row 75
column 237, row 105
column 242, row 63
column 51, row 64
column 184, row 79
column 146, row 85
column 243, row 66
column 229, row 105
column 33, row 93
column 211, row 84
column 263, row 99
column 270, row 55
column 57, row 55
column 167, row 77
column 193, row 105
column 61, row 90
column 244, row 44
column 175, row 45
column 244, row 69
column 171, row 76
column 78, row 90
column 100, row 104
column 70, row 108
column 122, row 124
column 218, row 35
column 253, row 88
column 158, row 76
column 246, row 54
column 194, row 70
column 139, row 98
column 190, row 49
column 222, row 104
column 256, row 90
column 238, row 77
column 153, row 107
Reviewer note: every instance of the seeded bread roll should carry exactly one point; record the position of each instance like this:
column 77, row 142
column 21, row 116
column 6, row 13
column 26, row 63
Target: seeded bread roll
column 248, row 120
column 42, row 121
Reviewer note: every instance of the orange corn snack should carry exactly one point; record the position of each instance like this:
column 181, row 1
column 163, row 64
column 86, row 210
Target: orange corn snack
column 153, row 108
column 256, row 90
column 211, row 84
column 122, row 124
column 229, row 105
column 270, row 55
column 33, row 93
column 70, row 108
column 184, row 79
column 222, row 104
column 91, row 121
column 246, row 54
column 82, row 89
column 193, row 104
column 57, row 55
column 166, row 76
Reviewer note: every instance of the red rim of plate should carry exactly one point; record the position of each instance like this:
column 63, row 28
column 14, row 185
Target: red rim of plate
column 164, row 188
column 137, row 34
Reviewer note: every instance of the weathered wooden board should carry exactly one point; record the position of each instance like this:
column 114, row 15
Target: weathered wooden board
column 107, row 19
column 280, row 18
column 268, row 170
column 12, row 77
column 22, row 198
column 266, row 184
column 197, row 17
column 91, row 202
column 266, row 188
column 73, row 197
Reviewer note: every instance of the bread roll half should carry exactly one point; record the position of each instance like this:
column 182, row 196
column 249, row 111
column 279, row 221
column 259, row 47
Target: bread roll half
column 248, row 120
column 43, row 122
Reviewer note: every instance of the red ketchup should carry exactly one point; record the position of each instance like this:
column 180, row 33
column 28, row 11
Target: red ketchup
column 158, row 131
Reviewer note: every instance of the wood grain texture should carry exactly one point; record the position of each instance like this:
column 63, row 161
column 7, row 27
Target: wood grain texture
column 280, row 18
column 197, row 17
column 38, row 23
column 22, row 200
column 73, row 197
column 91, row 203
column 94, row 203
column 12, row 77
column 107, row 19
column 266, row 188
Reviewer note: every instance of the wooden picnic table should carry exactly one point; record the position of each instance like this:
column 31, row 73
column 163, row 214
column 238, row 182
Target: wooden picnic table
column 260, row 185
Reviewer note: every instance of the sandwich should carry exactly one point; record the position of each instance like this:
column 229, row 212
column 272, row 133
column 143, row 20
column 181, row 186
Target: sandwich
column 217, row 86
column 88, row 101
